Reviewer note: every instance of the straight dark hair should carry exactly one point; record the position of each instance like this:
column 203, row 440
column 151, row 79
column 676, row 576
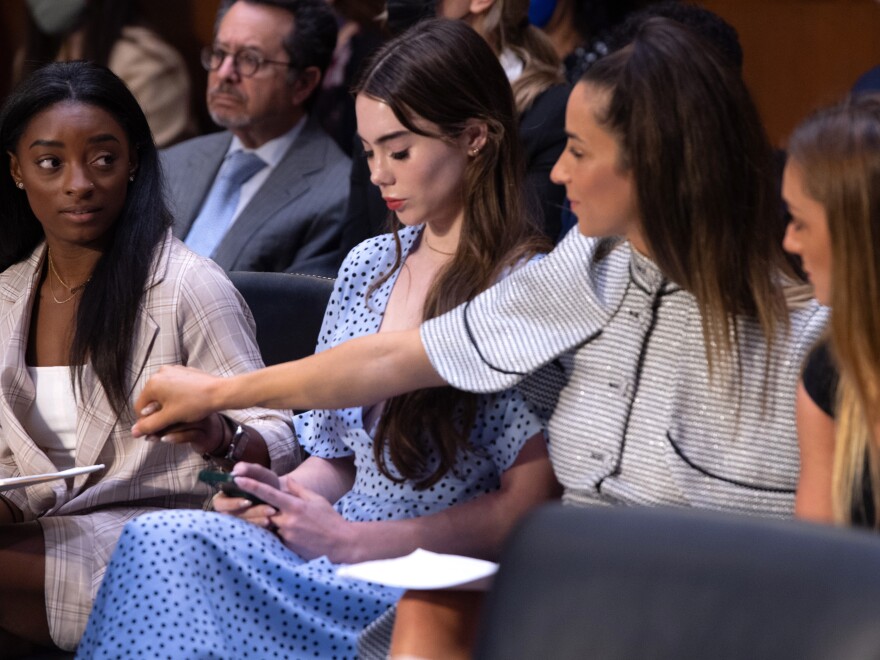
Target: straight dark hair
column 110, row 303
column 443, row 72
column 704, row 177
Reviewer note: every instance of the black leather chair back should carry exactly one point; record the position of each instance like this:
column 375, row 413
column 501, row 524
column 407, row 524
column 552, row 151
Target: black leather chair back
column 288, row 309
column 662, row 584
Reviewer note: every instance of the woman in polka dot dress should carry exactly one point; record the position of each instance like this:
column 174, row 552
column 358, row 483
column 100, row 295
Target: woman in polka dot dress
column 436, row 118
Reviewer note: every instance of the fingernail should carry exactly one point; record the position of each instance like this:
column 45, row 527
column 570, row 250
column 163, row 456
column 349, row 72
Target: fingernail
column 149, row 409
column 165, row 438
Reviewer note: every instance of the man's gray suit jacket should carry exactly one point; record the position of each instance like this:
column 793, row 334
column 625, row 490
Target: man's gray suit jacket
column 294, row 221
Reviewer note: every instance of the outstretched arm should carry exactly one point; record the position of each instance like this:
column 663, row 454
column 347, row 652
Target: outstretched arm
column 359, row 372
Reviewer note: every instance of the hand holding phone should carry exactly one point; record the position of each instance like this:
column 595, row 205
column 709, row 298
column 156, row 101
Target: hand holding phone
column 225, row 482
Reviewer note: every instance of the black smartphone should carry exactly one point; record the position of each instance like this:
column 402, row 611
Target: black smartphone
column 225, row 481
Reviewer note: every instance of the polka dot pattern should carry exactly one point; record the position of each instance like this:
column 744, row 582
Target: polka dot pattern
column 194, row 584
column 191, row 584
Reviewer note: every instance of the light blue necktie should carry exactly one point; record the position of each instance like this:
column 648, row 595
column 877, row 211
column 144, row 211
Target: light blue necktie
column 215, row 218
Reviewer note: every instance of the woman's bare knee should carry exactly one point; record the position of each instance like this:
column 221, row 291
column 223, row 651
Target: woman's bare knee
column 436, row 624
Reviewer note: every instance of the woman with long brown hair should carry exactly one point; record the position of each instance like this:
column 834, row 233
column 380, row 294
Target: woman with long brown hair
column 832, row 187
column 443, row 470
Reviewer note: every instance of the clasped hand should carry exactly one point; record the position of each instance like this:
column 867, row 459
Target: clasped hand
column 173, row 408
column 173, row 397
column 304, row 520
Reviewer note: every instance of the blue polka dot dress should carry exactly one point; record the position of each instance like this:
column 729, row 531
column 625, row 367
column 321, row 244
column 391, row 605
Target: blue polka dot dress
column 195, row 584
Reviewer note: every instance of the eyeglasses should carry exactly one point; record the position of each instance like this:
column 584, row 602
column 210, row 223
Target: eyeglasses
column 246, row 62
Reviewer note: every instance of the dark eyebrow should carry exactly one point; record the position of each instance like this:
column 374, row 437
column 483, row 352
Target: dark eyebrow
column 223, row 45
column 103, row 137
column 389, row 136
column 572, row 136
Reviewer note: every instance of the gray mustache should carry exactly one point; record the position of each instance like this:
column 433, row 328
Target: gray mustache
column 227, row 90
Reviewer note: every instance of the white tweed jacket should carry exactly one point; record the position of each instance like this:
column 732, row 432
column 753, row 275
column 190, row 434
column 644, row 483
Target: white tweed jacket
column 618, row 358
column 192, row 315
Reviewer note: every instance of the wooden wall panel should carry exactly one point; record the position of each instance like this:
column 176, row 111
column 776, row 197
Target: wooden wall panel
column 801, row 54
column 204, row 13
column 11, row 27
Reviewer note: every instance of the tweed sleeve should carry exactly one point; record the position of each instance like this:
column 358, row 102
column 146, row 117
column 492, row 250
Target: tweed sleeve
column 529, row 318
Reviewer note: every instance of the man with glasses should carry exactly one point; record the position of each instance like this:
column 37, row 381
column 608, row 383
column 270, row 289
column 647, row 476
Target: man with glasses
column 269, row 192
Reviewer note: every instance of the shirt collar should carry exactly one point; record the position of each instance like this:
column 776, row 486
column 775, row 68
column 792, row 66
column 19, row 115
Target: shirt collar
column 647, row 274
column 271, row 152
column 512, row 65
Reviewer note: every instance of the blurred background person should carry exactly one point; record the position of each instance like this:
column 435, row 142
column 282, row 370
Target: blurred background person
column 361, row 31
column 113, row 33
column 580, row 29
column 269, row 192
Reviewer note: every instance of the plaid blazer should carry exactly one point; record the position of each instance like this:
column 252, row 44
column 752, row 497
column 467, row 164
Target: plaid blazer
column 191, row 315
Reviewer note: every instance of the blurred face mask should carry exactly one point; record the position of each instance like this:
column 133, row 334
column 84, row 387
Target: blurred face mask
column 403, row 14
column 541, row 11
column 55, row 17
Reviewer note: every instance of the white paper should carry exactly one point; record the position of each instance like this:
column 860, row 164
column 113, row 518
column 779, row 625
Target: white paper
column 422, row 569
column 21, row 482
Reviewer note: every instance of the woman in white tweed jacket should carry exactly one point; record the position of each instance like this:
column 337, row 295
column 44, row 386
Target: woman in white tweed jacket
column 96, row 295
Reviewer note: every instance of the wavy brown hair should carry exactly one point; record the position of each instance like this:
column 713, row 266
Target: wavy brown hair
column 702, row 165
column 442, row 73
column 506, row 26
column 837, row 151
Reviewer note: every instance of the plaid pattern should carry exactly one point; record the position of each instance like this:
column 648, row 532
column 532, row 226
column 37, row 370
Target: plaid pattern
column 191, row 315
